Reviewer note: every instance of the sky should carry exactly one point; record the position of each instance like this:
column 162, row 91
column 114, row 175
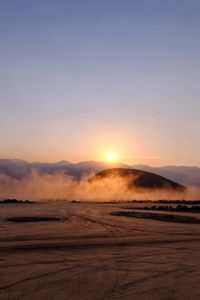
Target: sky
column 79, row 79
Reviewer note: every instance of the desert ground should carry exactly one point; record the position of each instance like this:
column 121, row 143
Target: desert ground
column 87, row 253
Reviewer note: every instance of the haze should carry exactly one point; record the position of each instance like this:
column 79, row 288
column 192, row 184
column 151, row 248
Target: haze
column 79, row 79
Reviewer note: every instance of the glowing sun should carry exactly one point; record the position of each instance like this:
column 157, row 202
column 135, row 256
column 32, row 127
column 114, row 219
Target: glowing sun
column 111, row 157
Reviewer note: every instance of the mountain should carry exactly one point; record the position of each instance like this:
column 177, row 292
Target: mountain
column 139, row 179
column 15, row 168
column 186, row 175
column 94, row 166
column 19, row 169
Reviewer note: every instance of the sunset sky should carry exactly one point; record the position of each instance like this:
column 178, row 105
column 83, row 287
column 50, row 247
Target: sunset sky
column 79, row 79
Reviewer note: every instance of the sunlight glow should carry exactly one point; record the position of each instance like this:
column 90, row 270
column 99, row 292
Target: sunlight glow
column 111, row 157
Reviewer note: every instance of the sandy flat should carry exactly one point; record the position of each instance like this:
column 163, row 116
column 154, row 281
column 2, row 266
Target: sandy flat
column 90, row 254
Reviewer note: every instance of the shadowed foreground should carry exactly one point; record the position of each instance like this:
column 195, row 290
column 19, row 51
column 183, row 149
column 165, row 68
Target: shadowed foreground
column 87, row 253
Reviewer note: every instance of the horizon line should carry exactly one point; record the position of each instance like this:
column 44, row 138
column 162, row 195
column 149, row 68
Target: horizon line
column 97, row 161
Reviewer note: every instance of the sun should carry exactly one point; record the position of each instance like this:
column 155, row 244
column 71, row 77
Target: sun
column 110, row 157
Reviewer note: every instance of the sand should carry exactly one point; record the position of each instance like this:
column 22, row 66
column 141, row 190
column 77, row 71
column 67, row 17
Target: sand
column 87, row 253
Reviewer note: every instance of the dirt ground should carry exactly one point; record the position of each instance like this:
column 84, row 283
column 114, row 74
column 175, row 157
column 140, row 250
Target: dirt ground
column 90, row 254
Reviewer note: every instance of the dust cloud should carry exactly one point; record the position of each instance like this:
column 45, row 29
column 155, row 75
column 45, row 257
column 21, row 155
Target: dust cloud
column 62, row 187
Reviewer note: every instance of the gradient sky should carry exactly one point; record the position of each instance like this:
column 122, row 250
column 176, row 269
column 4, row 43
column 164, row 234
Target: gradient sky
column 79, row 78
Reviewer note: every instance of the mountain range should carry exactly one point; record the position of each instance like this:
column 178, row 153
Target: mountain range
column 14, row 168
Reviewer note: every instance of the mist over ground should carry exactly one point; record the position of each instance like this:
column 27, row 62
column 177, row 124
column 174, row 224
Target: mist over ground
column 62, row 187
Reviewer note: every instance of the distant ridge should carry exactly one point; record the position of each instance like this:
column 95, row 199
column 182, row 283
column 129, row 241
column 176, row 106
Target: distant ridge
column 18, row 169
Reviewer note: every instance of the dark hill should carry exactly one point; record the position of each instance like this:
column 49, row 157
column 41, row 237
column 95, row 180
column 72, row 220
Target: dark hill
column 140, row 179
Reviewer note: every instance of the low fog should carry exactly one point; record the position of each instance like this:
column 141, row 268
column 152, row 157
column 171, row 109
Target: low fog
column 61, row 187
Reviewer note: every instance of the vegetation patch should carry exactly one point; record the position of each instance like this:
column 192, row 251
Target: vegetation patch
column 158, row 217
column 23, row 219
